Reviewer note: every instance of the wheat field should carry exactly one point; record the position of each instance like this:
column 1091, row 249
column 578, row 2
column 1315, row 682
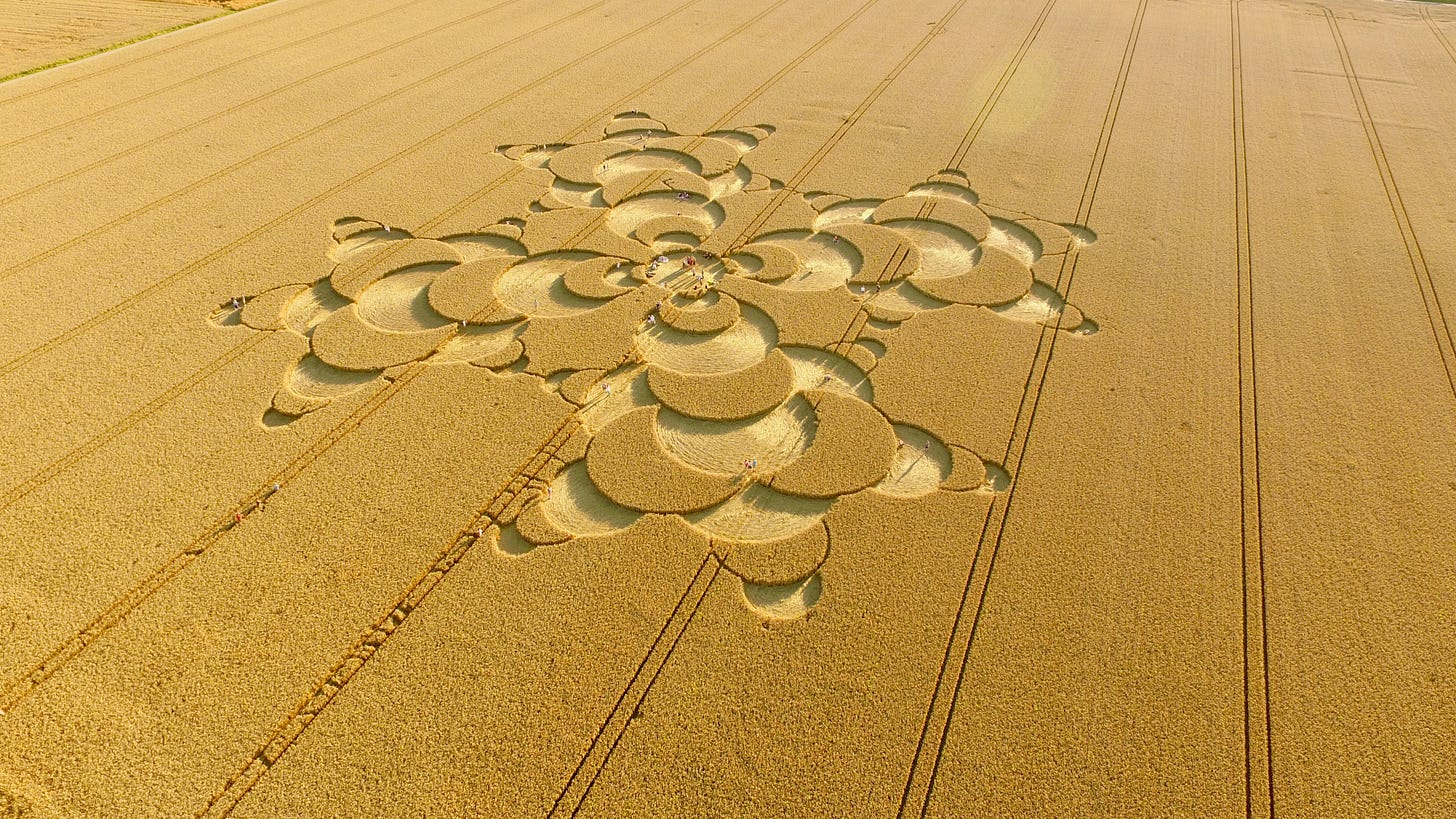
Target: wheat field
column 629, row 408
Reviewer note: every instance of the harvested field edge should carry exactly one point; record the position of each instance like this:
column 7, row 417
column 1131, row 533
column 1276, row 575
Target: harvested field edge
column 231, row 109
column 241, row 163
column 224, row 11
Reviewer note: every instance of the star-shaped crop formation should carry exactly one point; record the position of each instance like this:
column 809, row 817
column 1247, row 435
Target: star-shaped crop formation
column 647, row 286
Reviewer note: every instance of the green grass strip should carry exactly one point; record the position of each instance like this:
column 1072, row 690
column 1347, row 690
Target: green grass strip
column 224, row 11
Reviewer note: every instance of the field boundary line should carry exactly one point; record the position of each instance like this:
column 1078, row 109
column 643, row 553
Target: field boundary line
column 228, row 170
column 1258, row 750
column 1032, row 395
column 208, row 73
column 1430, row 297
column 197, row 264
column 255, row 20
column 159, row 138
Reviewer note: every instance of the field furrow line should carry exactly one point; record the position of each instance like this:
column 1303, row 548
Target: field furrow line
column 926, row 210
column 920, row 782
column 295, row 725
column 790, row 187
column 72, row 647
column 579, row 784
column 136, row 298
column 1430, row 297
column 204, row 74
column 278, row 146
column 130, row 420
column 1002, row 82
column 256, row 19
column 1258, row 725
column 1440, row 35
